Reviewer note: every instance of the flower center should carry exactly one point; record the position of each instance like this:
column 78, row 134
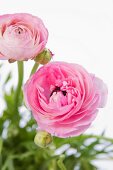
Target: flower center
column 19, row 30
column 64, row 93
column 57, row 89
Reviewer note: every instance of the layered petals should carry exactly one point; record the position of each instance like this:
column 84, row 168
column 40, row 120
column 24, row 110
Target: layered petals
column 22, row 36
column 64, row 98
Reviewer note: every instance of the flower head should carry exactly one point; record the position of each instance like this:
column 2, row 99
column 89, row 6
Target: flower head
column 64, row 98
column 22, row 36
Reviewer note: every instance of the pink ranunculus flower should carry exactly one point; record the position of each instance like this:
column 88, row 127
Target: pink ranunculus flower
column 22, row 36
column 64, row 98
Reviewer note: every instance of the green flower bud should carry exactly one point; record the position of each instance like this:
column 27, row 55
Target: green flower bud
column 44, row 57
column 43, row 139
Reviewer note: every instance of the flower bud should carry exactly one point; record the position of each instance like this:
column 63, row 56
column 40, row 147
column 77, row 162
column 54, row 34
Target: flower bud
column 43, row 139
column 44, row 57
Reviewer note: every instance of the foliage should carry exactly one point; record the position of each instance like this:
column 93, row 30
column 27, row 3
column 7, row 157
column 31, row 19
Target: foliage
column 18, row 151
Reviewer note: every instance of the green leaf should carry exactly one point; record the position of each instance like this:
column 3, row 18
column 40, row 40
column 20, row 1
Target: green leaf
column 60, row 162
column 86, row 165
column 1, row 145
column 9, row 76
column 1, row 64
column 71, row 162
column 8, row 165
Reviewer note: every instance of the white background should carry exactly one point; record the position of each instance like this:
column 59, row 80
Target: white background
column 80, row 31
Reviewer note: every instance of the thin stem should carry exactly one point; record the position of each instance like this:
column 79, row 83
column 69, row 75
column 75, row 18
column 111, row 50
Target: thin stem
column 36, row 65
column 20, row 81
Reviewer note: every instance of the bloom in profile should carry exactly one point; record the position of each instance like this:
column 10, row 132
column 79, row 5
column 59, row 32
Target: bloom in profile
column 64, row 98
column 22, row 36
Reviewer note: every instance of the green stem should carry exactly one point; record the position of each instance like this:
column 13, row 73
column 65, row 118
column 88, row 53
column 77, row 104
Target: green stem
column 20, row 81
column 36, row 65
